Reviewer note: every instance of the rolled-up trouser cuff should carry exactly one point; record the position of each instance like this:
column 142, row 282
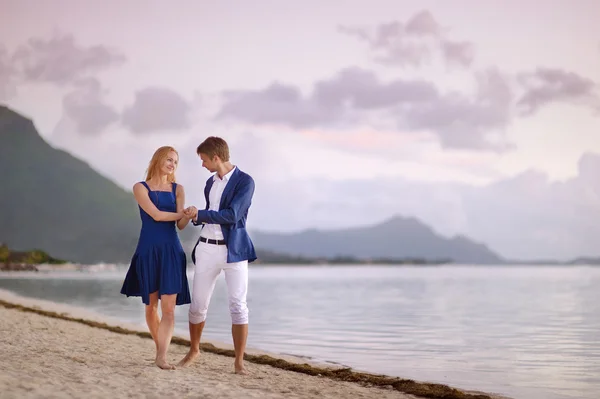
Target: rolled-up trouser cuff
column 196, row 318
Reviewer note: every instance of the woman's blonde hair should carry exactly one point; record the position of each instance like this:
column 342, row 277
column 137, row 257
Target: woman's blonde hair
column 157, row 159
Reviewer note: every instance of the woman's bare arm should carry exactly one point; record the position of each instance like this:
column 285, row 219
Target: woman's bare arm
column 180, row 194
column 141, row 196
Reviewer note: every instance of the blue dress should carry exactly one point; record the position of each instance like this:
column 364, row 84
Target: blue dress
column 159, row 262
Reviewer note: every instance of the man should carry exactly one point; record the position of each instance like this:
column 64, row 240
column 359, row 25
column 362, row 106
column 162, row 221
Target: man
column 224, row 244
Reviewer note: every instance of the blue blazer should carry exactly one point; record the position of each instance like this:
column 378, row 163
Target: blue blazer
column 232, row 214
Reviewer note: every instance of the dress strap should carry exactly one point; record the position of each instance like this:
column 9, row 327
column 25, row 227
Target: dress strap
column 174, row 188
column 145, row 185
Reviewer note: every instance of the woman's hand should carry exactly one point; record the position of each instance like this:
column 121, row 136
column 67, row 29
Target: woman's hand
column 190, row 212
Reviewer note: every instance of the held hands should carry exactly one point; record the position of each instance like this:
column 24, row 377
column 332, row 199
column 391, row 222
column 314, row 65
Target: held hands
column 191, row 212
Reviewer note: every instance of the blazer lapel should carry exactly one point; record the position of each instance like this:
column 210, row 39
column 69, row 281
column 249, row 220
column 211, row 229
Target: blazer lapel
column 207, row 188
column 229, row 187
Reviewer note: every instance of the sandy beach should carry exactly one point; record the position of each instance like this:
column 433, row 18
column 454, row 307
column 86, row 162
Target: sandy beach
column 44, row 355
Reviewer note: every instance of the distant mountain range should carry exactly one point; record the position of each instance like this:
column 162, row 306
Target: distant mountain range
column 582, row 260
column 57, row 203
column 396, row 238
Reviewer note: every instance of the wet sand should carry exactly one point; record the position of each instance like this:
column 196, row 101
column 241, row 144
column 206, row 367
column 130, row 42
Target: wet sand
column 50, row 351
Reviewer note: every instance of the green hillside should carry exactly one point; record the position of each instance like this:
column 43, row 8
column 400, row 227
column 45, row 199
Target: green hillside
column 53, row 201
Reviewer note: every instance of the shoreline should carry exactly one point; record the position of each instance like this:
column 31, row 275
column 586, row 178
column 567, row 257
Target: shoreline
column 294, row 368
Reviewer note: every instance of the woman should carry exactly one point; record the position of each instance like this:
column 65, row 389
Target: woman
column 158, row 266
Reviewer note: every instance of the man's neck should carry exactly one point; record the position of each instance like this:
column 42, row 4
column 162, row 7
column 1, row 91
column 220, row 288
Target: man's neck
column 224, row 168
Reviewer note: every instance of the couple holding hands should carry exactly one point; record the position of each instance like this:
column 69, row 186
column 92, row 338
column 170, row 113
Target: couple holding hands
column 157, row 272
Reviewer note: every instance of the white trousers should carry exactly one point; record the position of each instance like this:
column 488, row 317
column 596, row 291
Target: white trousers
column 210, row 260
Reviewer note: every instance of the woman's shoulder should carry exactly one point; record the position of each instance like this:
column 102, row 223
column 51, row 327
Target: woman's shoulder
column 140, row 184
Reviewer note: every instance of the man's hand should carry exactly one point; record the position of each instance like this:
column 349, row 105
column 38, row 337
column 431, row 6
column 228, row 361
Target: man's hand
column 191, row 212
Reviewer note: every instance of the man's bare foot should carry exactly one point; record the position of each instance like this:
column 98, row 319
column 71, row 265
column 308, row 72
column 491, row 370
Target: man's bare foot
column 164, row 365
column 189, row 358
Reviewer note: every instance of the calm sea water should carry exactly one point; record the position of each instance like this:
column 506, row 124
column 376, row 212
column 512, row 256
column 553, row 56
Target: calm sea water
column 526, row 332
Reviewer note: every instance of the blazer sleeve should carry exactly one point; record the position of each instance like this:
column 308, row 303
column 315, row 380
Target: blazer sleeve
column 235, row 211
column 206, row 194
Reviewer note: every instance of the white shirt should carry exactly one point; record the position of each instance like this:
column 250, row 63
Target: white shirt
column 214, row 198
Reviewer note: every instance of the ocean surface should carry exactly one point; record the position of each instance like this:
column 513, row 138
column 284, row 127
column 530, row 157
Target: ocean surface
column 525, row 332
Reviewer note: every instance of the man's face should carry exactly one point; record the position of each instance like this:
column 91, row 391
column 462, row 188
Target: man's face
column 208, row 163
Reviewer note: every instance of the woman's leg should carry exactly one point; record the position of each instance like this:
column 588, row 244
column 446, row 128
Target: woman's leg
column 152, row 318
column 165, row 330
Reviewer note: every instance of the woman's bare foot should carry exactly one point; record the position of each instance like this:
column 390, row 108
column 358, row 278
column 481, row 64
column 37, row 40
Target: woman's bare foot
column 189, row 358
column 240, row 369
column 164, row 365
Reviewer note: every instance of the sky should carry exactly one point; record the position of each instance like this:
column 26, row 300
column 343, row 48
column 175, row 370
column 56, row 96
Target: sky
column 479, row 118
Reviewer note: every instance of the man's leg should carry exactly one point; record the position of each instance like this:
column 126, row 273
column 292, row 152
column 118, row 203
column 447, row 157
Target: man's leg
column 206, row 273
column 236, row 275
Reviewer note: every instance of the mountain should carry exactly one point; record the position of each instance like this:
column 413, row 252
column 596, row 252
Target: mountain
column 585, row 260
column 396, row 238
column 54, row 202
column 57, row 203
column 270, row 257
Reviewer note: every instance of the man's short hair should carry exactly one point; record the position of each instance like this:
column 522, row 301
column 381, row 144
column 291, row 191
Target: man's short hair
column 214, row 146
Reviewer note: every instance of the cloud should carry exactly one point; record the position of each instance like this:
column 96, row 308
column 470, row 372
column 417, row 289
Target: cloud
column 332, row 102
column 157, row 109
column 527, row 216
column 460, row 121
column 154, row 109
column 546, row 85
column 85, row 107
column 275, row 104
column 7, row 75
column 61, row 60
column 362, row 90
column 589, row 169
column 413, row 43
column 423, row 24
column 458, row 53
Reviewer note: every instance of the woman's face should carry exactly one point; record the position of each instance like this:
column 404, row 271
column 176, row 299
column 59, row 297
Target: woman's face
column 169, row 164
